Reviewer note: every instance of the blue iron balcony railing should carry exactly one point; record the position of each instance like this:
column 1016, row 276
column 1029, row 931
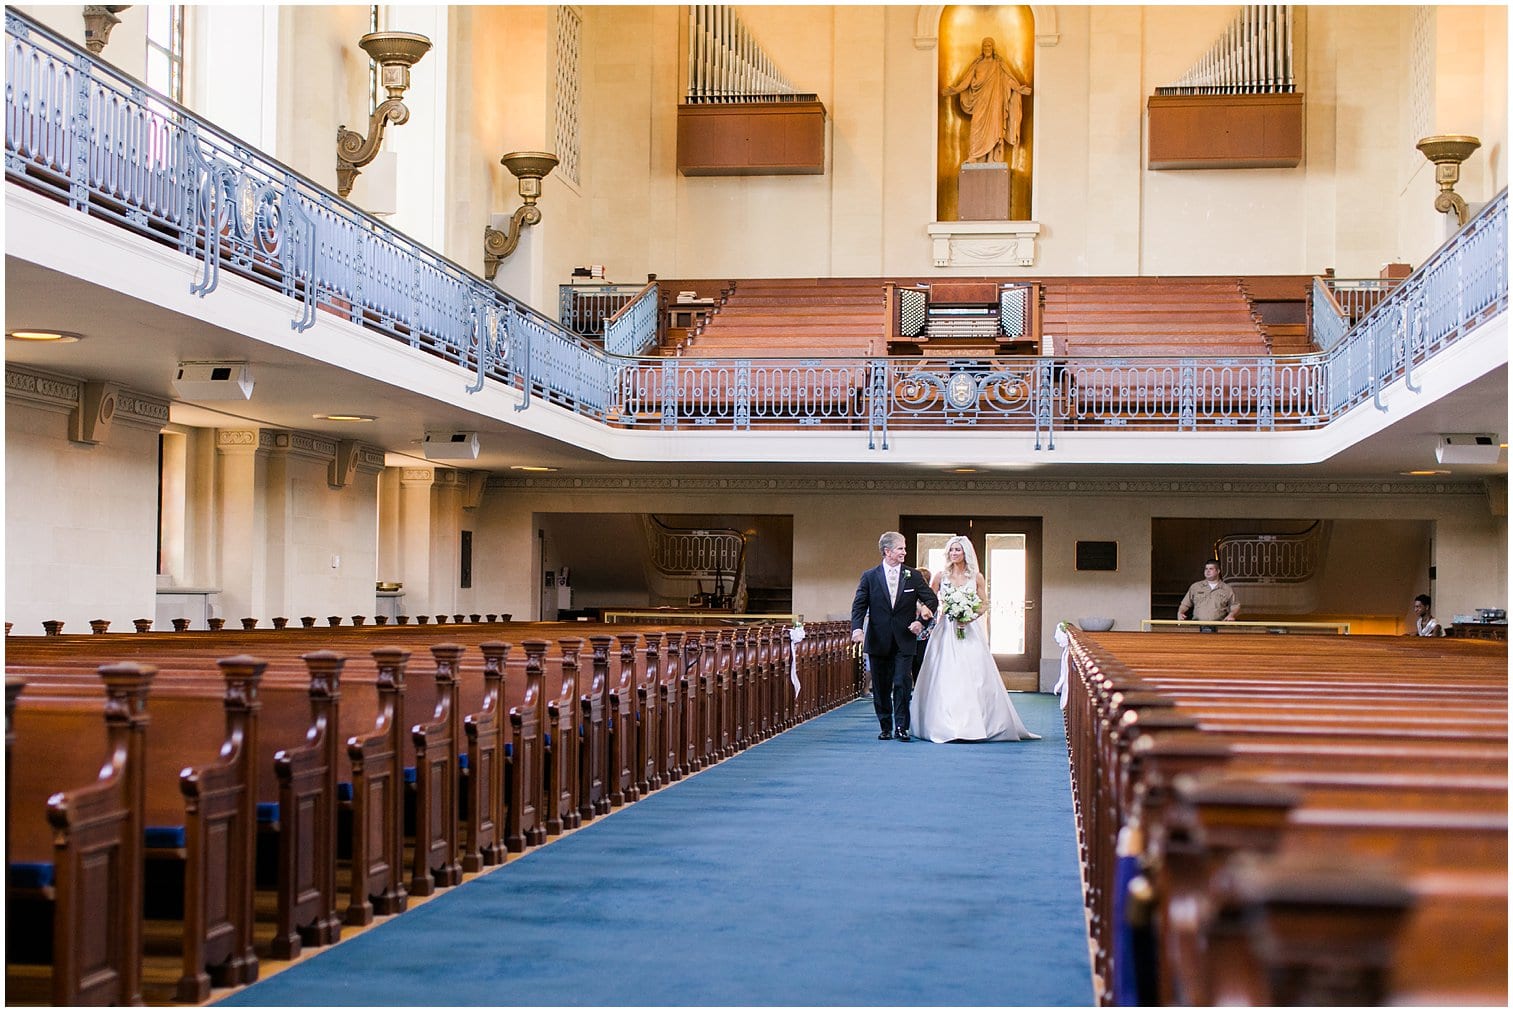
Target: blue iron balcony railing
column 80, row 132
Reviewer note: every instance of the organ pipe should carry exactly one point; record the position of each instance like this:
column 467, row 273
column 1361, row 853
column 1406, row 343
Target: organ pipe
column 1253, row 55
column 726, row 64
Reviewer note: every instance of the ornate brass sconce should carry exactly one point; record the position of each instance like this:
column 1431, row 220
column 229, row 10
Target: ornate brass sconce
column 395, row 53
column 1447, row 151
column 529, row 167
column 98, row 21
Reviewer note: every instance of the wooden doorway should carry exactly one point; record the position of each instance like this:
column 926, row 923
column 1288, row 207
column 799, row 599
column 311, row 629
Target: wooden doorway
column 1008, row 549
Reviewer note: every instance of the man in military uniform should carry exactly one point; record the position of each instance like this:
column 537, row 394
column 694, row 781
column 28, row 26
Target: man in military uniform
column 1210, row 599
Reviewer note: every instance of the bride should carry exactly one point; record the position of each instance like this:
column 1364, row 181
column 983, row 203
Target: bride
column 959, row 696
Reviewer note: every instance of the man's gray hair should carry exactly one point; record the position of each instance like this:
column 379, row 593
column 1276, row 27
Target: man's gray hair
column 888, row 540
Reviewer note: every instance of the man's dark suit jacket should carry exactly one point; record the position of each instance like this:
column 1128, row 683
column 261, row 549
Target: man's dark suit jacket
column 888, row 622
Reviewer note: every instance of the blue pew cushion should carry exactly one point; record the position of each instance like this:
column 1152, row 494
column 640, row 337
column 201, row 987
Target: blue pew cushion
column 30, row 874
column 170, row 837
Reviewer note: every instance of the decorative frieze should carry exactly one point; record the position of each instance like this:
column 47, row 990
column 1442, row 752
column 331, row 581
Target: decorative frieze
column 289, row 442
column 370, row 459
column 984, row 485
column 59, row 393
column 305, row 444
column 141, row 410
column 42, row 389
column 244, row 440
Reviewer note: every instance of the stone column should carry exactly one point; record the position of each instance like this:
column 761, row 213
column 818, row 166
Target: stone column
column 414, row 530
column 242, row 458
column 446, row 554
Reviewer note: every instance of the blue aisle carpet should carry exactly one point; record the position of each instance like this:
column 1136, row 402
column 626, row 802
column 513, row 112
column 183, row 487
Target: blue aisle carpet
column 823, row 867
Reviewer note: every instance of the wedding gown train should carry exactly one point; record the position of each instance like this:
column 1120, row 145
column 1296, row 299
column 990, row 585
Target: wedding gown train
column 959, row 696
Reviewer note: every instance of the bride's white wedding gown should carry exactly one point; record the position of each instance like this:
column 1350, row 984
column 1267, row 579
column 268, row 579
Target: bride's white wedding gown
column 959, row 696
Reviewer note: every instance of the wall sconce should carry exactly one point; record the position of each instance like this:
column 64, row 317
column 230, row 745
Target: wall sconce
column 395, row 53
column 529, row 167
column 1447, row 151
column 98, row 21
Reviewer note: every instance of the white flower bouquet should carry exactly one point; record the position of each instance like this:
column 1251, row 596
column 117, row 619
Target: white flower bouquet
column 961, row 605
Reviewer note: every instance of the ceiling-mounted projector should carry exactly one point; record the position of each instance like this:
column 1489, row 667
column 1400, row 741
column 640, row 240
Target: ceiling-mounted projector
column 213, row 381
column 451, row 446
column 1468, row 448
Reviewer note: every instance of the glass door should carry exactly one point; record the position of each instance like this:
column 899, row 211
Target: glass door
column 1008, row 549
column 1005, row 567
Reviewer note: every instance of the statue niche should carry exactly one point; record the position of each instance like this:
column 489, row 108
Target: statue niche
column 983, row 169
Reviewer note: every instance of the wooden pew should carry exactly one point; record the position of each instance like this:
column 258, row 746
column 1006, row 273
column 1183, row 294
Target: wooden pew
column 1151, row 727
column 294, row 788
column 683, row 699
column 487, row 763
column 197, row 816
column 83, row 843
column 1090, row 813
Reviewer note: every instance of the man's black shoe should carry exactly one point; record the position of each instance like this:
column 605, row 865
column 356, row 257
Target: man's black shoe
column 885, row 735
column 901, row 734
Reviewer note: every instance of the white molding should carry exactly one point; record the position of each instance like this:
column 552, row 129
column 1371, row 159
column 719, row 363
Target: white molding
column 983, row 243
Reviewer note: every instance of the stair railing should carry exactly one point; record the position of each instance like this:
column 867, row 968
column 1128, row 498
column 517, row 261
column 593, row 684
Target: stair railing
column 1340, row 303
column 632, row 330
column 1271, row 558
column 584, row 309
column 715, row 554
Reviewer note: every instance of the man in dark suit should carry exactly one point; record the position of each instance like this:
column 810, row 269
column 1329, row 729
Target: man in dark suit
column 887, row 601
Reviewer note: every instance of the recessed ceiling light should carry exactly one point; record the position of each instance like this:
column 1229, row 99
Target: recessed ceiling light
column 1421, row 474
column 348, row 418
column 530, row 467
column 43, row 336
column 963, row 470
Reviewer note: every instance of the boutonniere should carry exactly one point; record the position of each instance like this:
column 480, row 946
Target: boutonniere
column 903, row 573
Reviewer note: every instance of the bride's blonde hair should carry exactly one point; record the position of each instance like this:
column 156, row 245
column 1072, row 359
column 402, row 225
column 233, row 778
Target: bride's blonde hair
column 968, row 555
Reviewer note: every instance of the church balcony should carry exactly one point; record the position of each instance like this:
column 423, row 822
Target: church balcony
column 118, row 189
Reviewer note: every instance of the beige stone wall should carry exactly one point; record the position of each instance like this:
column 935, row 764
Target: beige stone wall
column 1348, row 206
column 259, row 522
column 79, row 521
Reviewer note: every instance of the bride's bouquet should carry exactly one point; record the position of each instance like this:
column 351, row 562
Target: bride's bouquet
column 961, row 605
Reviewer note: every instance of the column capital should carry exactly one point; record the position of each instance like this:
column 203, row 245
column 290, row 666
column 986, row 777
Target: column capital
column 245, row 441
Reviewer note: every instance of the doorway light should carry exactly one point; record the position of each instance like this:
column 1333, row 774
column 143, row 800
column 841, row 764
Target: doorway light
column 347, row 418
column 530, row 467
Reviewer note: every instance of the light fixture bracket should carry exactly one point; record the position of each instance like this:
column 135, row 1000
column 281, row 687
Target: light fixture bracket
column 395, row 53
column 529, row 167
